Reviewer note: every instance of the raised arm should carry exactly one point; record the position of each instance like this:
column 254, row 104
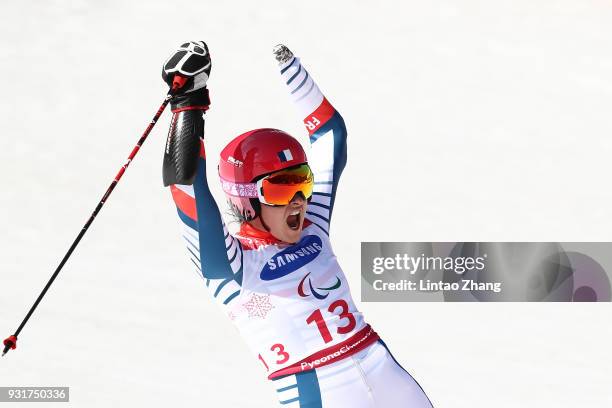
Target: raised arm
column 327, row 131
column 216, row 255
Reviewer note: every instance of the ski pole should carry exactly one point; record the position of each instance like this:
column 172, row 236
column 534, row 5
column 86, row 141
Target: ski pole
column 10, row 343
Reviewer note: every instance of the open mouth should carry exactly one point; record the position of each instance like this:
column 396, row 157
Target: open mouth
column 293, row 220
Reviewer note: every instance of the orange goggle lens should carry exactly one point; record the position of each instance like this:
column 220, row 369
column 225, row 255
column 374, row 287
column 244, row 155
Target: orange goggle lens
column 280, row 187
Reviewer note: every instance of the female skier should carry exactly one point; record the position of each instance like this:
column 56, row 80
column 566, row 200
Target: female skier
column 278, row 278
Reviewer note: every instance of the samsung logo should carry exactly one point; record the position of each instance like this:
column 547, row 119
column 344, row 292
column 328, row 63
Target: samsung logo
column 292, row 258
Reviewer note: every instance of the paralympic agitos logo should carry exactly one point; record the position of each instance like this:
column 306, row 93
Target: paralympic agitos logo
column 314, row 292
column 292, row 258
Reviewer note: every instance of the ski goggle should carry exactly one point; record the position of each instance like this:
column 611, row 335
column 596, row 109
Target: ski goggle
column 277, row 188
column 280, row 187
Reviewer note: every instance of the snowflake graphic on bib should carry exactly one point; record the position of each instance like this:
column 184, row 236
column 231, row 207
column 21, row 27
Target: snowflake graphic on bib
column 258, row 305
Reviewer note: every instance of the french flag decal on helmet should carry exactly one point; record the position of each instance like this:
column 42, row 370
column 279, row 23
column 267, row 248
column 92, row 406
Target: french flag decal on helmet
column 285, row 155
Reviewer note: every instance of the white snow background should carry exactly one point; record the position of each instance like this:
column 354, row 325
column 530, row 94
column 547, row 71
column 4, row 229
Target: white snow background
column 468, row 120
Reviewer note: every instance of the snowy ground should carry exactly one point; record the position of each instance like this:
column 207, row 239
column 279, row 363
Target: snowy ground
column 469, row 120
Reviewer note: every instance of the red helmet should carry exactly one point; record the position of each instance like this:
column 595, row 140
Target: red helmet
column 251, row 156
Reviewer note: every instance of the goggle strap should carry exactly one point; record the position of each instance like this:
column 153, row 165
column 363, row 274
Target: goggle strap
column 248, row 190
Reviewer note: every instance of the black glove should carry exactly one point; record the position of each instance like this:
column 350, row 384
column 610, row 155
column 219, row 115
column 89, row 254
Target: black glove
column 191, row 61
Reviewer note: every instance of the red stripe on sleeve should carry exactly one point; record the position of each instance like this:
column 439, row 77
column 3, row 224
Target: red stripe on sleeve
column 202, row 150
column 318, row 118
column 184, row 202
